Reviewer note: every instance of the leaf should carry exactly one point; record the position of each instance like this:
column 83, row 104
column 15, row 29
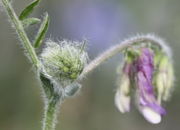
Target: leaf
column 28, row 10
column 50, row 90
column 30, row 21
column 47, row 85
column 42, row 31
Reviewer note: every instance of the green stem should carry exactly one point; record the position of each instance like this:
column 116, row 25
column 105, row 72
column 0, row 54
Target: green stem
column 117, row 49
column 53, row 98
column 50, row 116
column 21, row 33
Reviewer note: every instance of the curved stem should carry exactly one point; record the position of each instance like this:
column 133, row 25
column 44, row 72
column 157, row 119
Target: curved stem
column 118, row 48
column 21, row 33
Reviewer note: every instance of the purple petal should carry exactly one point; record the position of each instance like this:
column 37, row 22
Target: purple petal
column 144, row 72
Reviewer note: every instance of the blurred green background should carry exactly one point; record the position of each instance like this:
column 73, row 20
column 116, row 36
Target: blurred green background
column 104, row 23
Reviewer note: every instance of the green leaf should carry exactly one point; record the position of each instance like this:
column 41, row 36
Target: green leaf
column 28, row 10
column 30, row 21
column 49, row 88
column 42, row 31
column 47, row 85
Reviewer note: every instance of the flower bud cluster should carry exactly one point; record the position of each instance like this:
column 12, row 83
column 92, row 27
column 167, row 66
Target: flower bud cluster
column 64, row 61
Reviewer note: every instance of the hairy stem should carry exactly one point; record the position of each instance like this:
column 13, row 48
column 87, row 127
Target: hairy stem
column 21, row 33
column 50, row 116
column 53, row 98
column 117, row 49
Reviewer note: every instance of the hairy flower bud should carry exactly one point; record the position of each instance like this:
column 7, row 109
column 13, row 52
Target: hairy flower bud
column 64, row 61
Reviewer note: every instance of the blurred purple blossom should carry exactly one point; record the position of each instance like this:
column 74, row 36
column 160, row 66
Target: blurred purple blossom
column 139, row 71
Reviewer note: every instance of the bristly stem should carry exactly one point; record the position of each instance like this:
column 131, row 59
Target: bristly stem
column 21, row 33
column 52, row 105
column 118, row 48
column 50, row 116
column 53, row 99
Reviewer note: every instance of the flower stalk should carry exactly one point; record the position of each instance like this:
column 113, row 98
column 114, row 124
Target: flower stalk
column 17, row 24
column 119, row 48
column 50, row 116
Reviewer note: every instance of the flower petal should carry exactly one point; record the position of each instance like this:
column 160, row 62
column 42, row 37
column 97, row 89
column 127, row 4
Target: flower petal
column 122, row 102
column 150, row 115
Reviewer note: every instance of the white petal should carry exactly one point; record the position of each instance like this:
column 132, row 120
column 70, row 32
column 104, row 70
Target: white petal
column 151, row 116
column 122, row 102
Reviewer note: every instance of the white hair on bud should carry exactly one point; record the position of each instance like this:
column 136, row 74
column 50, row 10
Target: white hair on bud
column 64, row 60
column 162, row 43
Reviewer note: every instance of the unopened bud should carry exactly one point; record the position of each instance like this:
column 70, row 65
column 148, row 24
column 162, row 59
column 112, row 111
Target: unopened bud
column 164, row 78
column 64, row 61
column 122, row 97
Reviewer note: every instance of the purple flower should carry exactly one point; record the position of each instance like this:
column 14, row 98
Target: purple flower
column 139, row 73
column 145, row 95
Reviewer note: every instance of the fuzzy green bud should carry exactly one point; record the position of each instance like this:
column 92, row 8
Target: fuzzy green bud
column 64, row 61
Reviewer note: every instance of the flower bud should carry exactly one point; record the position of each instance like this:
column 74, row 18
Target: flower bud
column 64, row 61
column 164, row 78
column 170, row 82
column 122, row 97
